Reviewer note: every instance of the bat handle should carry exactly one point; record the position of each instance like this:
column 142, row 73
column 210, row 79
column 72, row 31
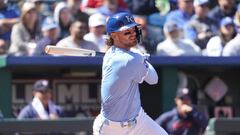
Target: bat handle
column 100, row 54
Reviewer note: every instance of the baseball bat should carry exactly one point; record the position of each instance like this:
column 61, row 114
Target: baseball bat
column 56, row 50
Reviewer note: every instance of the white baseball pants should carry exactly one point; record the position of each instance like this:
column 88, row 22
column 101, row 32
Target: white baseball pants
column 141, row 125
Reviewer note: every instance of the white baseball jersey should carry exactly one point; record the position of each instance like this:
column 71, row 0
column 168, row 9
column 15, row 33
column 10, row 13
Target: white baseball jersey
column 121, row 112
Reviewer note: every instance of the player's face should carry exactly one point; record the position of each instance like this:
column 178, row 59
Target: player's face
column 44, row 97
column 181, row 101
column 125, row 39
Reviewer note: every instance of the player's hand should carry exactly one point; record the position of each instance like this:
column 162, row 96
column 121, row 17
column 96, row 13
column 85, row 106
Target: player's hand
column 186, row 108
column 146, row 56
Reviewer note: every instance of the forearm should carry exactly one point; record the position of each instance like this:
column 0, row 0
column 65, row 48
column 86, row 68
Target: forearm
column 151, row 76
column 9, row 22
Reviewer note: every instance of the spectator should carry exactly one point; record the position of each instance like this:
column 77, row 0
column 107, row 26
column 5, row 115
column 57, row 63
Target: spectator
column 225, row 8
column 8, row 17
column 155, row 23
column 237, row 18
column 63, row 17
column 183, row 14
column 43, row 12
column 97, row 23
column 41, row 107
column 50, row 34
column 163, row 6
column 174, row 44
column 184, row 119
column 226, row 33
column 74, row 6
column 90, row 6
column 77, row 30
column 26, row 32
column 142, row 7
column 3, row 46
column 232, row 48
column 110, row 7
column 200, row 28
column 173, row 4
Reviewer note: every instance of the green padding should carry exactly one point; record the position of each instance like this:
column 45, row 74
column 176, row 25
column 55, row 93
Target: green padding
column 169, row 86
column 3, row 60
column 5, row 93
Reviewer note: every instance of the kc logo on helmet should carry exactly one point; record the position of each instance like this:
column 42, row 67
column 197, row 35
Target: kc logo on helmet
column 130, row 19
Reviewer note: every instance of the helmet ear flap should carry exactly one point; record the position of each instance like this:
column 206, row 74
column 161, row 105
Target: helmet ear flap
column 138, row 31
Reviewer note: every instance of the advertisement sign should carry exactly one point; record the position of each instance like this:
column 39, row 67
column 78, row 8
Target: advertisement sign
column 78, row 97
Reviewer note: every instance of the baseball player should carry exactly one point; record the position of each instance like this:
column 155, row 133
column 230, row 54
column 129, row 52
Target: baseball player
column 41, row 106
column 122, row 72
column 184, row 119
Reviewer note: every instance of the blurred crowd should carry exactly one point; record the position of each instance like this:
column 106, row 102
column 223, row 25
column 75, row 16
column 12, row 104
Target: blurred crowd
column 169, row 27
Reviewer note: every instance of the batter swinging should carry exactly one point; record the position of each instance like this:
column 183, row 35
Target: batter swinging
column 122, row 71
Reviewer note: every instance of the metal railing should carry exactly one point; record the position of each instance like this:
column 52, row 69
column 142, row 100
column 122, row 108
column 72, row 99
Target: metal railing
column 216, row 126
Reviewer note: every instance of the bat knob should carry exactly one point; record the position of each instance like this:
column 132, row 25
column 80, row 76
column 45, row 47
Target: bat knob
column 47, row 48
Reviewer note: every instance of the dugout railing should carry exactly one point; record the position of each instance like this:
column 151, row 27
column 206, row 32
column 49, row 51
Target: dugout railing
column 216, row 126
column 63, row 125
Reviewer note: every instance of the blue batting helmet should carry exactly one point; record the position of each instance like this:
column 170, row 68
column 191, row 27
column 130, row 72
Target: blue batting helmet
column 119, row 22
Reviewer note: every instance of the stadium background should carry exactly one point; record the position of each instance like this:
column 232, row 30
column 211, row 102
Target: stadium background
column 79, row 79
